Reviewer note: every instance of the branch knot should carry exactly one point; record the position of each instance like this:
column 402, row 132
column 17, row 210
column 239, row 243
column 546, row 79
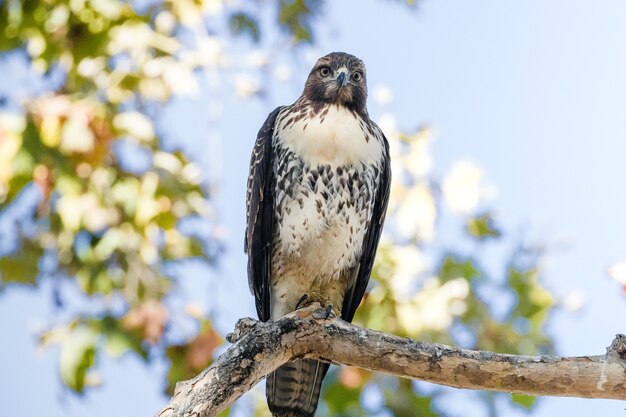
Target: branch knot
column 242, row 328
column 618, row 347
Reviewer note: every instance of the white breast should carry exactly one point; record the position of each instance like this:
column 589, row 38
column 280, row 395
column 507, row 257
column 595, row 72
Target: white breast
column 334, row 136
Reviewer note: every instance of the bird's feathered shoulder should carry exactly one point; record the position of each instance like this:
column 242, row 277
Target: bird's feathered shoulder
column 260, row 216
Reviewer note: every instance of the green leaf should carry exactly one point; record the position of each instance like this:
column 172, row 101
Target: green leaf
column 187, row 360
column 532, row 299
column 243, row 23
column 341, row 400
column 525, row 401
column 423, row 406
column 482, row 227
column 224, row 413
column 404, row 401
column 296, row 17
column 22, row 265
column 117, row 343
column 78, row 352
column 453, row 267
column 118, row 339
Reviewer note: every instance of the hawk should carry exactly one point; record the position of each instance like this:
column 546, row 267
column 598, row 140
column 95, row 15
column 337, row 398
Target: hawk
column 316, row 201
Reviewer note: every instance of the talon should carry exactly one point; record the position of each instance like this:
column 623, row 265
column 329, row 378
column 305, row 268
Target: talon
column 301, row 301
column 329, row 311
column 324, row 313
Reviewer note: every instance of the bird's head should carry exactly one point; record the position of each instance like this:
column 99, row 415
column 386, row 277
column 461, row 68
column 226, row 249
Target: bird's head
column 338, row 78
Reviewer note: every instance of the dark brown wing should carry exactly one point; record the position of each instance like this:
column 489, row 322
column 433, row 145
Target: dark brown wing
column 260, row 217
column 355, row 292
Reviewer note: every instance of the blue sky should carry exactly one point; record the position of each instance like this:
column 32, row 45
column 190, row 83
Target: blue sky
column 534, row 92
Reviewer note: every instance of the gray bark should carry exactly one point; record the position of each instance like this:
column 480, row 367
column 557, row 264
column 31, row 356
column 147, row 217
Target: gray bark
column 259, row 348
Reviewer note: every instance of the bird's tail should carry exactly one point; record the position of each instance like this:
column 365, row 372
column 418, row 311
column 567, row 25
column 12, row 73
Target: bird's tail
column 294, row 389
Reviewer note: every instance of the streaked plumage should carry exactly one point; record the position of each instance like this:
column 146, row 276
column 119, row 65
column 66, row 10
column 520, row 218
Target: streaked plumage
column 317, row 195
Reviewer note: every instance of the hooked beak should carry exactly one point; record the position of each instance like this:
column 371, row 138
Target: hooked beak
column 341, row 79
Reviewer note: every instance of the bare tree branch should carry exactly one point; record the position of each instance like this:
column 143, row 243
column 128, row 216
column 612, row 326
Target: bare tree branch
column 259, row 348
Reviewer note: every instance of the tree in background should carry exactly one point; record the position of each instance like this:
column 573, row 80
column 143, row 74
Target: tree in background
column 94, row 196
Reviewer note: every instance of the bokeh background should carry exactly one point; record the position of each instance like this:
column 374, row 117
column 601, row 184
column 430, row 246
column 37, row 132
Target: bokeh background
column 125, row 134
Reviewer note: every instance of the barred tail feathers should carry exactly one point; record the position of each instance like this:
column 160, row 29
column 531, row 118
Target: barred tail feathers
column 293, row 390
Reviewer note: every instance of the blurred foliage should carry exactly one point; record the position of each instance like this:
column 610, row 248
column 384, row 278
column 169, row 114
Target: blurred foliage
column 100, row 218
column 90, row 194
column 190, row 358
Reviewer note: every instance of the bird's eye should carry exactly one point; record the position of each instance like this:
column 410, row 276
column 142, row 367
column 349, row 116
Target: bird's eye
column 324, row 71
column 357, row 76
